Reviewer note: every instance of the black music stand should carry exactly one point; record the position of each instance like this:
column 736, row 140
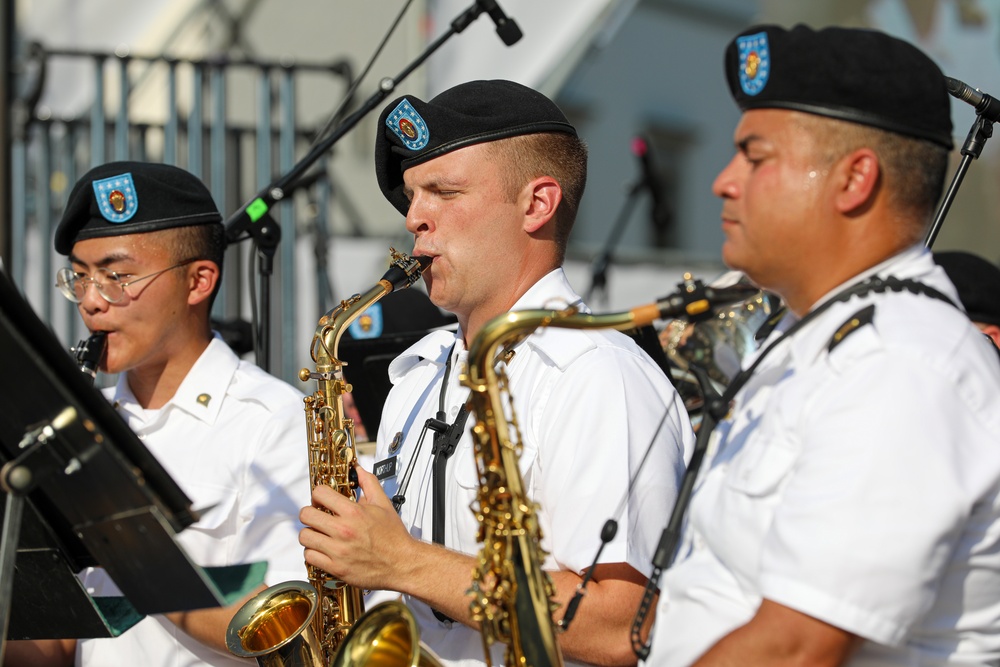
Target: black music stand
column 82, row 490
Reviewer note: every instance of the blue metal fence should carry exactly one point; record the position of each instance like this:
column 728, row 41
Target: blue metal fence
column 196, row 128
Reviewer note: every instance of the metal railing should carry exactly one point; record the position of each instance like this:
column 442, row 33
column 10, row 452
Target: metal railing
column 231, row 122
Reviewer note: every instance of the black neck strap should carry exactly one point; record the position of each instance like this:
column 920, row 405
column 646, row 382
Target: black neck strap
column 446, row 437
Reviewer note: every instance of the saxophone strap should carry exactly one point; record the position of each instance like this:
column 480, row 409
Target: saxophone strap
column 446, row 437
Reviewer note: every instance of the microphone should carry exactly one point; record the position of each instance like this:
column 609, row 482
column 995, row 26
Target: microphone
column 506, row 27
column 650, row 179
column 692, row 300
column 698, row 303
column 985, row 106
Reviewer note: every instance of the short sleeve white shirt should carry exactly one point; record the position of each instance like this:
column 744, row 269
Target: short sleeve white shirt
column 857, row 482
column 588, row 404
column 233, row 438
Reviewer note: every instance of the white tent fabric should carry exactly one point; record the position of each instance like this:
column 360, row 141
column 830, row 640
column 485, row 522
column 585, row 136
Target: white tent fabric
column 557, row 33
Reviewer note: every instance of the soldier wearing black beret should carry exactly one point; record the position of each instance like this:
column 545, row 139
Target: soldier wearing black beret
column 145, row 244
column 846, row 510
column 978, row 283
column 489, row 175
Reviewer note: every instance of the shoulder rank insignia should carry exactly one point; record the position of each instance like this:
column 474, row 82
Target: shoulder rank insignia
column 116, row 197
column 853, row 323
column 765, row 329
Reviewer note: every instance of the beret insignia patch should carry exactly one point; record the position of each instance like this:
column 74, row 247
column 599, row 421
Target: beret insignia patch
column 755, row 62
column 369, row 325
column 407, row 124
column 116, row 197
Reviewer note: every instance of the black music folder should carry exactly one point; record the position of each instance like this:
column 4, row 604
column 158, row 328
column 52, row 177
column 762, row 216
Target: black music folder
column 96, row 497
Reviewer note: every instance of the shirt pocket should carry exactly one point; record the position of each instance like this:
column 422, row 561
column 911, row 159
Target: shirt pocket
column 761, row 466
column 205, row 540
column 466, row 464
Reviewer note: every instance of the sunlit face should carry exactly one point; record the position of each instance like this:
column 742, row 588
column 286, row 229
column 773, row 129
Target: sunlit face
column 461, row 216
column 772, row 194
column 141, row 325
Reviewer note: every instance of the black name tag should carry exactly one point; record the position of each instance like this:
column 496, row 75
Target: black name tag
column 385, row 468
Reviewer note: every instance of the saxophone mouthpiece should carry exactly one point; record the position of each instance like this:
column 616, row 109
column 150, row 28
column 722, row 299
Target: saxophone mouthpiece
column 404, row 270
column 89, row 352
column 693, row 301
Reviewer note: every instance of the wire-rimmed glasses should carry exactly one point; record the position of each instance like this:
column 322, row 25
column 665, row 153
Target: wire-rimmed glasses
column 109, row 284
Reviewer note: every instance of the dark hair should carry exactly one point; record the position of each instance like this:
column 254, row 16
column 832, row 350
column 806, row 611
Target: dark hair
column 912, row 170
column 559, row 155
column 197, row 242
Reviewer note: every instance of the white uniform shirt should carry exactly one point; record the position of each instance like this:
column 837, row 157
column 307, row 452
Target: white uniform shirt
column 858, row 485
column 233, row 438
column 588, row 404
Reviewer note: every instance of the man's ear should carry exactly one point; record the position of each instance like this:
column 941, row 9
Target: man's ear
column 540, row 198
column 858, row 179
column 991, row 330
column 203, row 275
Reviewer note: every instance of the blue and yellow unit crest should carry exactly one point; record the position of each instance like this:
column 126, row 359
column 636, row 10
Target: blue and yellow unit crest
column 409, row 126
column 755, row 62
column 369, row 325
column 116, row 197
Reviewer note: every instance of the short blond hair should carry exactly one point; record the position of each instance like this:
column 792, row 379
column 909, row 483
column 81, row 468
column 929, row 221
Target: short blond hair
column 559, row 155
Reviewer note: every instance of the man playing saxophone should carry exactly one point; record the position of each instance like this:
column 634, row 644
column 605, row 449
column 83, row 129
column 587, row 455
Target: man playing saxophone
column 489, row 175
column 145, row 246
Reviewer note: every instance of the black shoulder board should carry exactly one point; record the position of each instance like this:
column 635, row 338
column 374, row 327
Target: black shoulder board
column 853, row 323
column 765, row 329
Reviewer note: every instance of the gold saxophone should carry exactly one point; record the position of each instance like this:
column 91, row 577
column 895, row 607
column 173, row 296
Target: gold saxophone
column 512, row 595
column 299, row 624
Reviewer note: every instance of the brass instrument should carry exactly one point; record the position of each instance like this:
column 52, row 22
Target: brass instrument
column 719, row 344
column 511, row 593
column 386, row 635
column 299, row 624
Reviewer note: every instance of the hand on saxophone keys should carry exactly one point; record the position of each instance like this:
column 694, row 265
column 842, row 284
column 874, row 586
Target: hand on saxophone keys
column 363, row 543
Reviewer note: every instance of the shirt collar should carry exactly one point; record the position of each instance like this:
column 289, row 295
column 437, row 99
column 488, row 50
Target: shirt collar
column 203, row 390
column 551, row 292
column 914, row 262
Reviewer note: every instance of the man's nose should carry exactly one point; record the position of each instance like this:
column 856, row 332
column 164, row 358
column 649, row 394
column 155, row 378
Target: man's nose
column 92, row 301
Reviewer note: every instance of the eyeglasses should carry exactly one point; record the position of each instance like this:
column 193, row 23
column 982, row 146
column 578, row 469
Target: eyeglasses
column 109, row 285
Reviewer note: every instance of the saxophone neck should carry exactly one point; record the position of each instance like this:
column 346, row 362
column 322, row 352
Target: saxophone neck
column 403, row 272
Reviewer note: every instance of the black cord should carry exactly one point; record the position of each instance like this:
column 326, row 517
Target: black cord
column 252, row 282
column 349, row 95
column 609, row 530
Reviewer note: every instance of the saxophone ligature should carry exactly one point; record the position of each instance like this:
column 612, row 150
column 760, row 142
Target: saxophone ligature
column 88, row 353
column 512, row 594
column 304, row 624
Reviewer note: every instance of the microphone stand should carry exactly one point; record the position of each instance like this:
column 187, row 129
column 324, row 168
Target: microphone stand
column 981, row 130
column 253, row 219
column 599, row 267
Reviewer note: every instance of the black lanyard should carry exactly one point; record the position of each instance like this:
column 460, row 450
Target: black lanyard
column 446, row 437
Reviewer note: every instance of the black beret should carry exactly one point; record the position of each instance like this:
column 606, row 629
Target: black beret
column 410, row 131
column 977, row 281
column 863, row 76
column 132, row 198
